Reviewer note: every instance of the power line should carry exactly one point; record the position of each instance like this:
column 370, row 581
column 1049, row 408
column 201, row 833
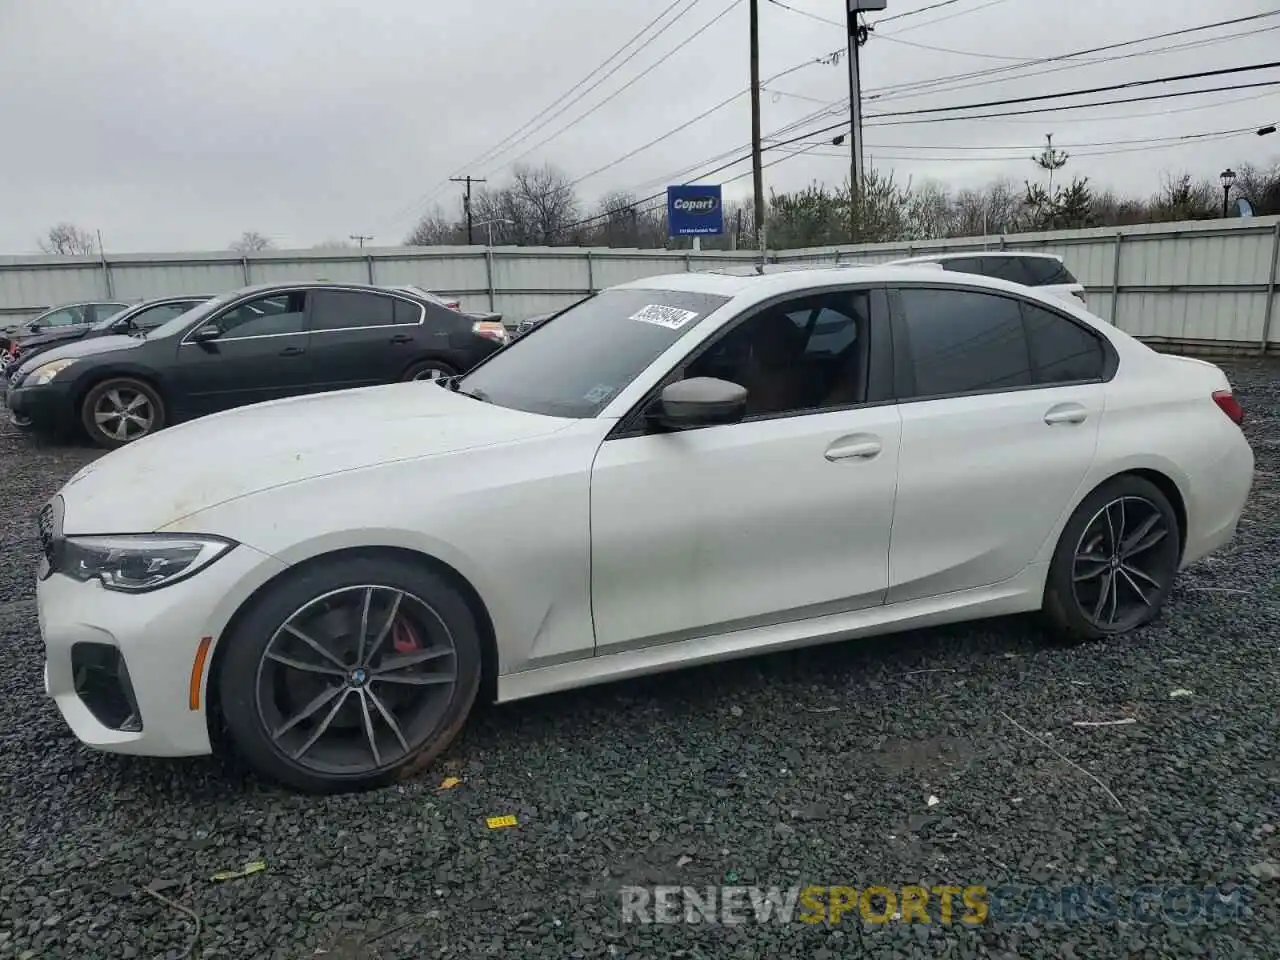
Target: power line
column 914, row 13
column 1079, row 106
column 949, row 16
column 630, row 83
column 1073, row 55
column 1198, row 75
column 435, row 191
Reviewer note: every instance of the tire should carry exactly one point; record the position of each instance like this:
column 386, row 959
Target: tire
column 261, row 698
column 1081, row 602
column 121, row 394
column 429, row 370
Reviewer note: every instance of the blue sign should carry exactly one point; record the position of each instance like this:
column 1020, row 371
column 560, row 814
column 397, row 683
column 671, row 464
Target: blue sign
column 694, row 210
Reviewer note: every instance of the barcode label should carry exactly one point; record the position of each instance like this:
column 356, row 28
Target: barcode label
column 673, row 318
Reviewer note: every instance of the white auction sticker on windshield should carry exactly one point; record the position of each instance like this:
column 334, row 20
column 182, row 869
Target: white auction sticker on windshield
column 673, row 318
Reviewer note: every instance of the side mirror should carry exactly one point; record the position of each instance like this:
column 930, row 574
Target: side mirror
column 33, row 327
column 210, row 331
column 699, row 402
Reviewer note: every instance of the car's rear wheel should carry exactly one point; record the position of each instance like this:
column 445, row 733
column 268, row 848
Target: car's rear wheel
column 1115, row 562
column 350, row 673
column 121, row 410
column 429, row 370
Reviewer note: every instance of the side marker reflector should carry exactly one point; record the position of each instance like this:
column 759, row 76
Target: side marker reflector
column 197, row 672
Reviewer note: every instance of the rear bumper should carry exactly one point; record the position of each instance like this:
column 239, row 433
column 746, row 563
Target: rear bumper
column 1218, row 501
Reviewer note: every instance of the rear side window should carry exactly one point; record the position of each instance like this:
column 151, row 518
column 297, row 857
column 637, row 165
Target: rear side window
column 962, row 341
column 406, row 312
column 1062, row 351
column 347, row 309
column 1046, row 271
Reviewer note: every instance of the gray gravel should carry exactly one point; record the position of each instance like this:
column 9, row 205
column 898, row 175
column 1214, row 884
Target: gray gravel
column 794, row 769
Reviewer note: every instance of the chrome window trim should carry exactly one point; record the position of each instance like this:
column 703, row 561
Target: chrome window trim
column 422, row 315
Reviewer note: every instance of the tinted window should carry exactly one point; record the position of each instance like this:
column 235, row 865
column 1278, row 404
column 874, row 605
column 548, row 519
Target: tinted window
column 266, row 316
column 153, row 317
column 1061, row 350
column 101, row 311
column 576, row 362
column 963, row 265
column 406, row 312
column 1048, row 270
column 964, row 341
column 801, row 355
column 66, row 317
column 343, row 309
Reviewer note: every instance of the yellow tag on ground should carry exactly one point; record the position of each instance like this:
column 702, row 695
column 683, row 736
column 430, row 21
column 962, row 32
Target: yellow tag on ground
column 448, row 783
column 497, row 823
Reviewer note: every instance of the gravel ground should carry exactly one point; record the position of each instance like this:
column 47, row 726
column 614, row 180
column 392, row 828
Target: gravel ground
column 811, row 768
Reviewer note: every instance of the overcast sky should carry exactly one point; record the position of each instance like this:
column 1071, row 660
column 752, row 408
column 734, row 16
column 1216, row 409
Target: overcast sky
column 176, row 125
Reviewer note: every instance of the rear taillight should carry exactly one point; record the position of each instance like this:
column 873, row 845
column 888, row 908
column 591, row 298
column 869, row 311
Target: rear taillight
column 1229, row 405
column 491, row 330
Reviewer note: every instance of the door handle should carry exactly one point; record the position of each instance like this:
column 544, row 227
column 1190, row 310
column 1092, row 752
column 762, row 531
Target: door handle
column 853, row 448
column 1066, row 413
column 402, row 338
column 292, row 352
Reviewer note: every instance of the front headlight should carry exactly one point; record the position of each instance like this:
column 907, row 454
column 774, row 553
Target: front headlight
column 135, row 564
column 43, row 374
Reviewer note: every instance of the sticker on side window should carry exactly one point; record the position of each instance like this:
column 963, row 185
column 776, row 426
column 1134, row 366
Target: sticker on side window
column 673, row 318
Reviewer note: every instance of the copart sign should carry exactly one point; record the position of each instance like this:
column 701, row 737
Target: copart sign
column 694, row 210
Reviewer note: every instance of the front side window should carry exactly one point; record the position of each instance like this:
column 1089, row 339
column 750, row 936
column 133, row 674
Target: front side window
column 272, row 315
column 1062, row 351
column 805, row 354
column 575, row 363
column 963, row 341
column 348, row 309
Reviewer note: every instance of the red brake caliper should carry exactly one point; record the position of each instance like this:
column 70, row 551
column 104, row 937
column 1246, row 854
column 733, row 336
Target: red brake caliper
column 403, row 637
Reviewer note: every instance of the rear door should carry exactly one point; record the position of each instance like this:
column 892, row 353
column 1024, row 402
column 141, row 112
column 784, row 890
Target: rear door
column 1001, row 400
column 361, row 337
column 260, row 353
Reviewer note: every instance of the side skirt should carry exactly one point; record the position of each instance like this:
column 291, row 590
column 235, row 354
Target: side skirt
column 1022, row 594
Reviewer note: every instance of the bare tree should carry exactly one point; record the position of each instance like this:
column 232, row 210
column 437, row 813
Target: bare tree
column 66, row 239
column 250, row 241
column 930, row 212
column 435, row 230
column 545, row 201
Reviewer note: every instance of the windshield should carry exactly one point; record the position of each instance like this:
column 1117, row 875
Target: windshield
column 105, row 322
column 183, row 320
column 573, row 364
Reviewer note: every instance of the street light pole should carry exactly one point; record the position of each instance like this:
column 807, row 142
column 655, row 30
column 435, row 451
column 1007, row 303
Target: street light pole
column 1228, row 178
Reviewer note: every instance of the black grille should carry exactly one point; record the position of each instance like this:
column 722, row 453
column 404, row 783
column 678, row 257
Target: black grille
column 103, row 685
column 45, row 525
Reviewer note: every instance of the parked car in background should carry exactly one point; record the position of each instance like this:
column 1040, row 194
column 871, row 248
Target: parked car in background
column 139, row 318
column 66, row 316
column 259, row 343
column 676, row 471
column 1042, row 270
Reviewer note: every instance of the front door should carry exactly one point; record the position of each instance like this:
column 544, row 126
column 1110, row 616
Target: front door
column 259, row 353
column 1001, row 403
column 783, row 516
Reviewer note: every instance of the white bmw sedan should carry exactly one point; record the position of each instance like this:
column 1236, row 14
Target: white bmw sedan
column 677, row 470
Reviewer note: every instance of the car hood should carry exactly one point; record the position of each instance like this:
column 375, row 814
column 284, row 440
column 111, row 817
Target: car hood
column 39, row 339
column 155, row 482
column 75, row 350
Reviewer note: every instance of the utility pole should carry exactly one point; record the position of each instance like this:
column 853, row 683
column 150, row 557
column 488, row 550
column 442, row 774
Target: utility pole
column 757, row 175
column 857, row 37
column 360, row 238
column 466, row 200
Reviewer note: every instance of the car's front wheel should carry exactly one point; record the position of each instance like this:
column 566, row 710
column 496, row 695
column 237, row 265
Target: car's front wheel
column 1115, row 562
column 121, row 410
column 349, row 673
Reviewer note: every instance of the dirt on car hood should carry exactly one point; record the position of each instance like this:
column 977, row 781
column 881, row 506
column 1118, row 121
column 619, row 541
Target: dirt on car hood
column 157, row 481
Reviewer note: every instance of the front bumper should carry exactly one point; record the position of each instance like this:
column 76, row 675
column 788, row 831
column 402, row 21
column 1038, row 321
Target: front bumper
column 144, row 708
column 46, row 408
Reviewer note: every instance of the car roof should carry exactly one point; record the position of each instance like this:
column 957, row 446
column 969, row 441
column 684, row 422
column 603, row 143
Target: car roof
column 325, row 284
column 754, row 287
column 969, row 254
